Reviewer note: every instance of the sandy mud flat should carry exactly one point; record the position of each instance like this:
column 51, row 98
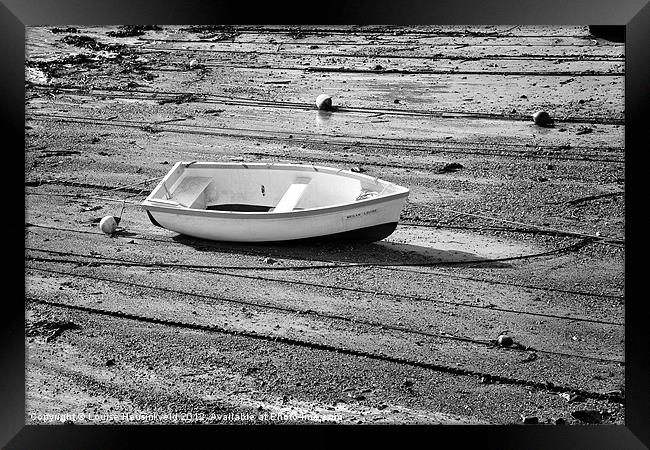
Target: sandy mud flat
column 510, row 228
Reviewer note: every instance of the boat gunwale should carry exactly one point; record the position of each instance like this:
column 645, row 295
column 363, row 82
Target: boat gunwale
column 150, row 206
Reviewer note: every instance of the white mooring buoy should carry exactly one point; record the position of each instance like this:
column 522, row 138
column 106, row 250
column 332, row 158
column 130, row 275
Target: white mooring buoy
column 108, row 224
column 324, row 102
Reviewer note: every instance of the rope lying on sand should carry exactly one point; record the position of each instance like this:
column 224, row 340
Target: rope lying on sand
column 247, row 251
column 567, row 249
column 215, row 270
column 615, row 397
column 530, row 225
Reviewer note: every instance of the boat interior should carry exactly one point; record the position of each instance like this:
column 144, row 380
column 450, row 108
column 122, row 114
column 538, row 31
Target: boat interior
column 264, row 187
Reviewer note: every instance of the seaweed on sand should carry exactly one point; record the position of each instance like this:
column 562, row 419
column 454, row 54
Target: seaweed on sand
column 132, row 30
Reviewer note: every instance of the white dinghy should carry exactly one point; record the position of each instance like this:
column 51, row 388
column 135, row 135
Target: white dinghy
column 259, row 202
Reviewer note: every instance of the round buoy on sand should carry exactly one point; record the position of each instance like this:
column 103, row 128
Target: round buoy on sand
column 193, row 63
column 108, row 224
column 324, row 102
column 542, row 118
column 504, row 340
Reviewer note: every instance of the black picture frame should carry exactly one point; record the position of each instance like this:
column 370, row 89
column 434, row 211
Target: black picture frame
column 634, row 15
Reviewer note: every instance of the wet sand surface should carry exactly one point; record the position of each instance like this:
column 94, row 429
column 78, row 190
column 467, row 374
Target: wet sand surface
column 510, row 228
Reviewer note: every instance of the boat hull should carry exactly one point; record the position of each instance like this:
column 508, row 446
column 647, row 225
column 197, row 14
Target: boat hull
column 370, row 222
column 367, row 234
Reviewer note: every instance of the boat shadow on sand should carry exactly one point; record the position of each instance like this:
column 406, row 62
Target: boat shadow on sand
column 375, row 253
